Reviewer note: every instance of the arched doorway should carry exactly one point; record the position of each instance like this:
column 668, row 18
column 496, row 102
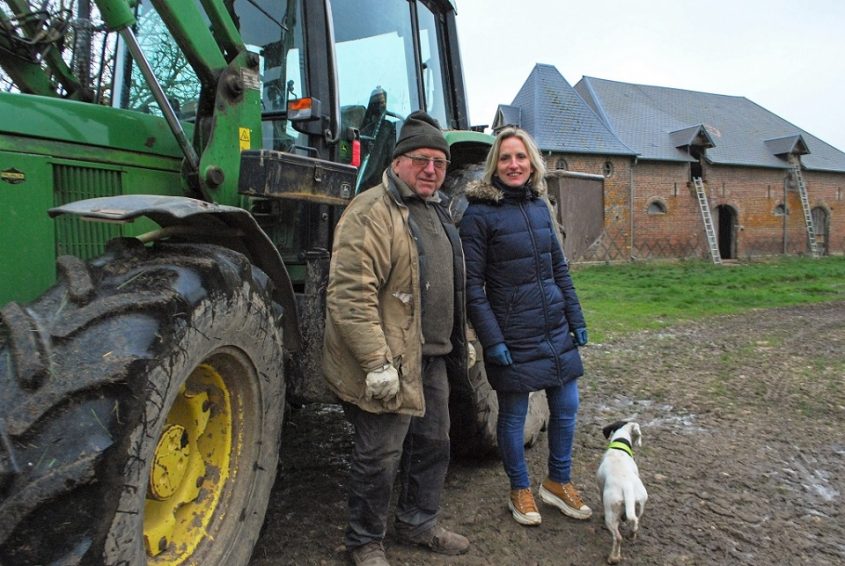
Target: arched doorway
column 821, row 224
column 726, row 224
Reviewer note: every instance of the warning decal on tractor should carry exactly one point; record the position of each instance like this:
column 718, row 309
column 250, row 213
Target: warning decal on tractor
column 244, row 138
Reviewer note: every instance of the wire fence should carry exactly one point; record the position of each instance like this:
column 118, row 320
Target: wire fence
column 614, row 245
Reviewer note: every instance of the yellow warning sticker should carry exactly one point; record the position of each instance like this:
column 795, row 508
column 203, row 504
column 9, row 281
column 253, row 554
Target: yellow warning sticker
column 244, row 138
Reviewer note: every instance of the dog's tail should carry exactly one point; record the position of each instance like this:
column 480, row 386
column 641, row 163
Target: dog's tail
column 631, row 507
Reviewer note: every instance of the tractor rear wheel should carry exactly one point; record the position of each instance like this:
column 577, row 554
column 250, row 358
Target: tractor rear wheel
column 141, row 402
column 474, row 410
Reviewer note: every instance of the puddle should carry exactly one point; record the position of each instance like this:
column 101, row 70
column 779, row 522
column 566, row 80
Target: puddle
column 633, row 409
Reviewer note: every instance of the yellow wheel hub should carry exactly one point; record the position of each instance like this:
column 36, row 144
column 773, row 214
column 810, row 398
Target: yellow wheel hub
column 190, row 468
column 172, row 458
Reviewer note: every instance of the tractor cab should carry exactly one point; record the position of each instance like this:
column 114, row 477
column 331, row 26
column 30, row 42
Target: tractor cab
column 332, row 82
column 335, row 78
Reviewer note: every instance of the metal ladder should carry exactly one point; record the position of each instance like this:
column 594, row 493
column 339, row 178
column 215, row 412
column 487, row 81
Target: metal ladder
column 805, row 206
column 708, row 220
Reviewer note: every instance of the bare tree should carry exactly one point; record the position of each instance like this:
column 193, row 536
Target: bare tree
column 169, row 64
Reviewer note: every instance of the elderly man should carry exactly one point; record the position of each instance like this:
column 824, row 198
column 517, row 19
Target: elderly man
column 395, row 323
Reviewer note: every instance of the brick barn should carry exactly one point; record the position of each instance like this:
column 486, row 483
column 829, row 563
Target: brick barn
column 684, row 173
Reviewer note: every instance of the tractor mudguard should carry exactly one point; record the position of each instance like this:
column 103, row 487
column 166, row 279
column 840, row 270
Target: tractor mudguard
column 202, row 222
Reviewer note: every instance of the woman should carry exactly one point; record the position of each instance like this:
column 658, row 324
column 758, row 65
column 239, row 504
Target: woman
column 527, row 316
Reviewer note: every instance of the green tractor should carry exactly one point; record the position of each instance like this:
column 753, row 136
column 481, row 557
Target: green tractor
column 169, row 193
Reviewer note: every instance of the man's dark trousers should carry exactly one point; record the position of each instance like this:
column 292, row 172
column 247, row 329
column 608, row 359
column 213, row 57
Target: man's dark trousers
column 416, row 447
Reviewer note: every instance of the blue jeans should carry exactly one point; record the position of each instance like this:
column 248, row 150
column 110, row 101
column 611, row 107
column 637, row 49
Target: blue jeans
column 390, row 445
column 513, row 407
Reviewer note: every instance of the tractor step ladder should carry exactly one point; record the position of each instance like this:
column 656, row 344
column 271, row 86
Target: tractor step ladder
column 805, row 206
column 708, row 220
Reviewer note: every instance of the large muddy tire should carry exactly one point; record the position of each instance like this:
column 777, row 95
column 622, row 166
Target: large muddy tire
column 141, row 402
column 474, row 410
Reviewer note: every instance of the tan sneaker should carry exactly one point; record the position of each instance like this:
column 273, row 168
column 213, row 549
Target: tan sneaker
column 565, row 497
column 521, row 504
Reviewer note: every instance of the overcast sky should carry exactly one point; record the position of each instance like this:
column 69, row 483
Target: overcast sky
column 786, row 56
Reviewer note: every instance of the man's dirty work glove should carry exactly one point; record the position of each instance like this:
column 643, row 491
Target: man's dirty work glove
column 581, row 336
column 383, row 383
column 500, row 355
column 472, row 356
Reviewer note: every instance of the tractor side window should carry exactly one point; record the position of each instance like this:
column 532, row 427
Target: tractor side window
column 273, row 29
column 435, row 91
column 377, row 78
column 169, row 65
column 270, row 28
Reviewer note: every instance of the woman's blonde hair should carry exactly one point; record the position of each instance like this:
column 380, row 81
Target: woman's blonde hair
column 537, row 178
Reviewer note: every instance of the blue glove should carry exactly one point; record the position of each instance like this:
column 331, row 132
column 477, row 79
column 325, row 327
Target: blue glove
column 581, row 336
column 500, row 355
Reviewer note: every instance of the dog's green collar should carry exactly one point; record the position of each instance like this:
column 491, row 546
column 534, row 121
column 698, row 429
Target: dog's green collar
column 621, row 445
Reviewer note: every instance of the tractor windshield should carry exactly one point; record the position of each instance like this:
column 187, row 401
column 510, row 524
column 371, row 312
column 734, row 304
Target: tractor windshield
column 389, row 65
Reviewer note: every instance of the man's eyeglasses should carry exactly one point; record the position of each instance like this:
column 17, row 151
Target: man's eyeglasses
column 422, row 162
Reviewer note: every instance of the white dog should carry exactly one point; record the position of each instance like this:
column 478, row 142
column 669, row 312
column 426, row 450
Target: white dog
column 622, row 492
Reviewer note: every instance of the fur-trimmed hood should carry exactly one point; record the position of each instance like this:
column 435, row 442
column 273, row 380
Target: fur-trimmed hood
column 487, row 192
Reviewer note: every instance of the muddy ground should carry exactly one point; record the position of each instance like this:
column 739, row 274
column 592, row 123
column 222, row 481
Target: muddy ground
column 743, row 456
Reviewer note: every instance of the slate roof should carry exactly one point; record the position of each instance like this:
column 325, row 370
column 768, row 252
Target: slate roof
column 558, row 119
column 649, row 118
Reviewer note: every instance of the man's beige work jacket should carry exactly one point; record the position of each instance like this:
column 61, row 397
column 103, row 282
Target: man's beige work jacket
column 374, row 302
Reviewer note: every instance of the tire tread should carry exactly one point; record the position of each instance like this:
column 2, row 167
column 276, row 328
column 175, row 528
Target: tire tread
column 45, row 345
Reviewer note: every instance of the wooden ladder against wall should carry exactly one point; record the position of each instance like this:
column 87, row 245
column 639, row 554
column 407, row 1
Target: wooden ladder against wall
column 708, row 220
column 805, row 206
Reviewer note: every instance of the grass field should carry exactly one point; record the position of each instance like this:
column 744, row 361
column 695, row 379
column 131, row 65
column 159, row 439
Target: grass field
column 618, row 299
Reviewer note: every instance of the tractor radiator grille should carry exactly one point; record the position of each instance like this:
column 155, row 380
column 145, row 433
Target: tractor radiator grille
column 73, row 235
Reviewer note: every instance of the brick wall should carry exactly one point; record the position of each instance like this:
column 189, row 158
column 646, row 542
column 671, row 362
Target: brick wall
column 755, row 193
column 679, row 232
column 749, row 196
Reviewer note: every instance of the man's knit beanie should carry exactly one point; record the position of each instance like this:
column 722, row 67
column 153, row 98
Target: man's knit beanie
column 420, row 130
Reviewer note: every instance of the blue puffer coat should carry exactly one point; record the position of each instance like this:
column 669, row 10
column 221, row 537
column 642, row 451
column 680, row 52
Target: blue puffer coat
column 518, row 288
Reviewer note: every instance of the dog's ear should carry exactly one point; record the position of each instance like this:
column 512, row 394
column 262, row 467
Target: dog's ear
column 613, row 427
column 636, row 435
